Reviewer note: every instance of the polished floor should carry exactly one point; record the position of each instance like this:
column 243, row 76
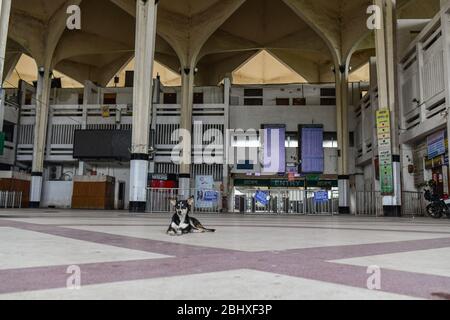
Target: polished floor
column 56, row 254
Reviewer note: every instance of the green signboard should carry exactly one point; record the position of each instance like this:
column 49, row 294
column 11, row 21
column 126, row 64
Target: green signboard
column 385, row 151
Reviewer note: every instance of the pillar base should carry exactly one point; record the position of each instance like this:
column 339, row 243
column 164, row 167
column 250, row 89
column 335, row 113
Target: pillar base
column 344, row 210
column 392, row 211
column 34, row 205
column 137, row 207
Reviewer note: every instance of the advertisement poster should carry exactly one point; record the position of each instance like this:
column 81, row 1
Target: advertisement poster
column 205, row 195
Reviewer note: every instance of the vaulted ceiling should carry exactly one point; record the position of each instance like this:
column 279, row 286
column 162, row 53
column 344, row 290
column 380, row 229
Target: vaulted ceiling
column 216, row 36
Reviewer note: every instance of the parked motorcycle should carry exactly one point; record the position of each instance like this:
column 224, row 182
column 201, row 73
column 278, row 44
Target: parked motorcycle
column 437, row 207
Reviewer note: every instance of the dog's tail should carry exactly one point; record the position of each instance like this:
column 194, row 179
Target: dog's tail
column 196, row 224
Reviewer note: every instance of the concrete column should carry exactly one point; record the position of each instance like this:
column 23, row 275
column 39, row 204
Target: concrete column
column 445, row 22
column 187, row 97
column 342, row 136
column 146, row 14
column 40, row 135
column 385, row 44
column 5, row 9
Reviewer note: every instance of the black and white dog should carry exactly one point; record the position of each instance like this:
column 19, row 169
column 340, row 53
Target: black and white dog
column 182, row 223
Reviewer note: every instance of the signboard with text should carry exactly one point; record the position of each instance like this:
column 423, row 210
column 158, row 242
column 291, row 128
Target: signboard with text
column 436, row 144
column 385, row 151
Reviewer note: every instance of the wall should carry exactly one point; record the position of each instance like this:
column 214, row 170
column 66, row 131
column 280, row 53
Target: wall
column 252, row 117
column 57, row 194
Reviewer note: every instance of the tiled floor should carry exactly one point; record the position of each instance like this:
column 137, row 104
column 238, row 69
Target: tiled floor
column 123, row 256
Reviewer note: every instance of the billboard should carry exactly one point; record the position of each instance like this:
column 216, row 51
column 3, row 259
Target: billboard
column 311, row 149
column 102, row 145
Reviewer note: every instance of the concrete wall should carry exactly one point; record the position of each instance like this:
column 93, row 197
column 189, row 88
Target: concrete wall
column 57, row 194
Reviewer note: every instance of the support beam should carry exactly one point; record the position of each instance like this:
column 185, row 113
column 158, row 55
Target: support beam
column 385, row 40
column 146, row 16
column 40, row 134
column 341, row 73
column 5, row 9
column 187, row 97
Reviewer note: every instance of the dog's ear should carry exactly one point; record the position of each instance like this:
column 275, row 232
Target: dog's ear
column 191, row 201
column 173, row 202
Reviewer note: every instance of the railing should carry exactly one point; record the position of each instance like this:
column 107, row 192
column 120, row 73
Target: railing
column 10, row 200
column 205, row 201
column 285, row 201
column 413, row 204
column 369, row 203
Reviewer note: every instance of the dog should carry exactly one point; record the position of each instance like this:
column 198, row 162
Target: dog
column 182, row 223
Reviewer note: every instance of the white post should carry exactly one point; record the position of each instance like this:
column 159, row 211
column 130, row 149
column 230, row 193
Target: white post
column 40, row 134
column 146, row 15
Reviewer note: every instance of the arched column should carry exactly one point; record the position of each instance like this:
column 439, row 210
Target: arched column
column 146, row 14
column 5, row 10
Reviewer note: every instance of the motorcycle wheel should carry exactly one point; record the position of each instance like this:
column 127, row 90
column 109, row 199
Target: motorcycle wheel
column 434, row 211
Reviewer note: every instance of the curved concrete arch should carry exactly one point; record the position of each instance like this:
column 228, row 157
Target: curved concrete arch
column 300, row 8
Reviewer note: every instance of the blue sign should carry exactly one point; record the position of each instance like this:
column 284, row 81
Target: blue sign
column 262, row 197
column 321, row 196
column 210, row 196
column 436, row 145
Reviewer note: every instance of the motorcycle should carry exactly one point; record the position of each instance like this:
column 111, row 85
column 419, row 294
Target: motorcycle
column 437, row 207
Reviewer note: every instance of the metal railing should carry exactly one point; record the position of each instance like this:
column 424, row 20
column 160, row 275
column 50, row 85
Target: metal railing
column 369, row 203
column 205, row 201
column 10, row 200
column 413, row 204
column 286, row 201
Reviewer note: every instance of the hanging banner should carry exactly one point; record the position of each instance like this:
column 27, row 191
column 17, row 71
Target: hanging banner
column 311, row 149
column 274, row 149
column 385, row 151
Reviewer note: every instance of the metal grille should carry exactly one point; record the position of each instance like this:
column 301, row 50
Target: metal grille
column 63, row 134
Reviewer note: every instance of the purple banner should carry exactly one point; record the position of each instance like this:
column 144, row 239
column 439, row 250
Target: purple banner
column 274, row 150
column 312, row 154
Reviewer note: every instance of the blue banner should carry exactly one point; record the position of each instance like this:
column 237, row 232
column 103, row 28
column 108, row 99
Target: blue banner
column 262, row 197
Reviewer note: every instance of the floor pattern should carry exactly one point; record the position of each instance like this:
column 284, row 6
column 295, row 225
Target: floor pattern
column 122, row 256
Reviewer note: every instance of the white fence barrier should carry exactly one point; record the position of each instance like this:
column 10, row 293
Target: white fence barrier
column 296, row 202
column 369, row 203
column 10, row 200
column 205, row 201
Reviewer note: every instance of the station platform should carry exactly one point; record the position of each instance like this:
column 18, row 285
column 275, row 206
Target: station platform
column 59, row 254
